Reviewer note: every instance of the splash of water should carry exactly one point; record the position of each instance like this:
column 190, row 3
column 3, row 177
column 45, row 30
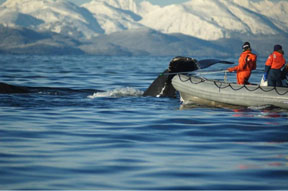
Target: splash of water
column 116, row 93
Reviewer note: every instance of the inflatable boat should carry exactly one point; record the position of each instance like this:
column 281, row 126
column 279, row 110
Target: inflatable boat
column 201, row 90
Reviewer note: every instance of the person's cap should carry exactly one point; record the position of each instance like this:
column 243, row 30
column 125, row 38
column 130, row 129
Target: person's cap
column 277, row 47
column 246, row 45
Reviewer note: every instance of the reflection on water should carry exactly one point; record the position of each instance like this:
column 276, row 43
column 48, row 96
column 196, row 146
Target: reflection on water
column 239, row 111
column 279, row 161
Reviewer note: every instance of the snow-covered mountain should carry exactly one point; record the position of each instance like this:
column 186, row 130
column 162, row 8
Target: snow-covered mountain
column 273, row 10
column 119, row 15
column 204, row 19
column 215, row 19
column 114, row 15
column 97, row 25
column 58, row 16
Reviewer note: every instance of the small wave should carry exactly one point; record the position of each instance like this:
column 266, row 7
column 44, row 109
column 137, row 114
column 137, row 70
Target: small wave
column 121, row 92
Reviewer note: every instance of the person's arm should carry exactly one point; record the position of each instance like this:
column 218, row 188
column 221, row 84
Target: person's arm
column 268, row 64
column 232, row 69
column 268, row 67
column 237, row 68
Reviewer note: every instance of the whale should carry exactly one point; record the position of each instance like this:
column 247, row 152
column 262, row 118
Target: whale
column 162, row 86
column 13, row 89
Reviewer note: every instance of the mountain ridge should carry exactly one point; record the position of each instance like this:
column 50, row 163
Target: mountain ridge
column 93, row 25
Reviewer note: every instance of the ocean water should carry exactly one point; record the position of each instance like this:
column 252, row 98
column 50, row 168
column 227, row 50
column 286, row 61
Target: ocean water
column 89, row 127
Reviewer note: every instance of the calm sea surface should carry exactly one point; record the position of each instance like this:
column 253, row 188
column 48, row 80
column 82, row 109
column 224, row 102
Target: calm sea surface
column 106, row 136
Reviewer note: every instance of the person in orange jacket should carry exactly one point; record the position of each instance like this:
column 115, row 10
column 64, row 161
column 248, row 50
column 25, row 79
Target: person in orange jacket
column 273, row 66
column 247, row 63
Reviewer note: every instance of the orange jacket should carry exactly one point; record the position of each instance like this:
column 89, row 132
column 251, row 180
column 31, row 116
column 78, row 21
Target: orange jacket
column 276, row 60
column 247, row 63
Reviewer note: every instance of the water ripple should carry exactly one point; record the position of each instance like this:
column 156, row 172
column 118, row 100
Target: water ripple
column 60, row 139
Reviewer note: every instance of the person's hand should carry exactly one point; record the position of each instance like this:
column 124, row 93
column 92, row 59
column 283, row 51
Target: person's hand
column 229, row 70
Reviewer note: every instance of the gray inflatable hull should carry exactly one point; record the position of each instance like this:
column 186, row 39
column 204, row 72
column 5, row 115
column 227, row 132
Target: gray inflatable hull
column 200, row 90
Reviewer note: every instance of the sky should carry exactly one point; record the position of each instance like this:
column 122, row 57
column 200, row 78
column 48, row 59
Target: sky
column 156, row 2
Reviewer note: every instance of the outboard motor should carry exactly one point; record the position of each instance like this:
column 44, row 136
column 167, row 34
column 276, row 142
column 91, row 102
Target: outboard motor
column 162, row 86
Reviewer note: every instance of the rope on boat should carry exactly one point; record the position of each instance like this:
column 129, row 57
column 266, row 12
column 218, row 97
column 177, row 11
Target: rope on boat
column 224, row 85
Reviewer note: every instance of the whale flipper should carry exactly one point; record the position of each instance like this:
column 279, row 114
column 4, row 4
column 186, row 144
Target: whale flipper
column 209, row 62
column 161, row 87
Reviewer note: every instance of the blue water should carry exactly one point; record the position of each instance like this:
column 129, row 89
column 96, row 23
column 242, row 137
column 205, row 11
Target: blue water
column 108, row 137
